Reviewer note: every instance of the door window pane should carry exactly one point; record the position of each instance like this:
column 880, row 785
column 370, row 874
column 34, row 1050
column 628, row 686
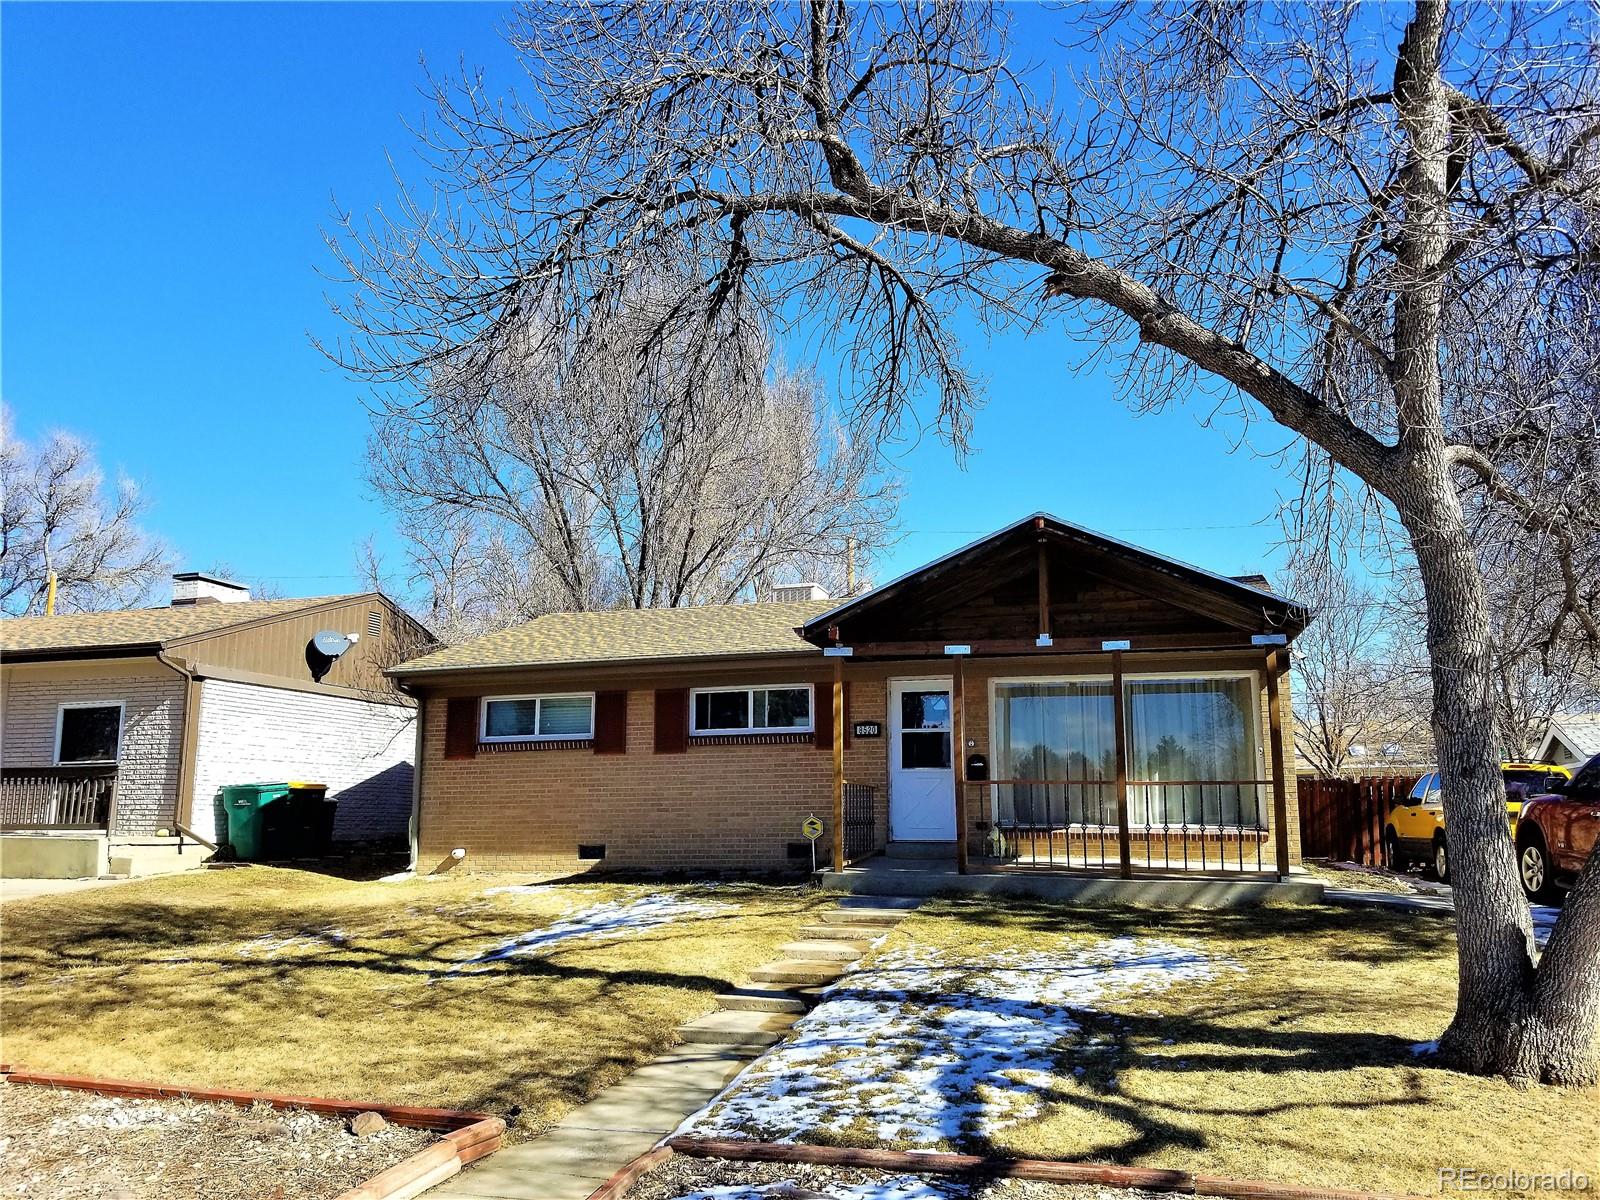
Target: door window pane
column 1183, row 733
column 90, row 734
column 925, row 710
column 924, row 750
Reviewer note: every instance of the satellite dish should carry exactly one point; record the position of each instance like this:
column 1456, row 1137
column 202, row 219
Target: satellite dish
column 324, row 650
column 330, row 644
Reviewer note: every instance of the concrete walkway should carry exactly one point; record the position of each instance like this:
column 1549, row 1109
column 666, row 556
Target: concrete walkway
column 588, row 1145
column 27, row 889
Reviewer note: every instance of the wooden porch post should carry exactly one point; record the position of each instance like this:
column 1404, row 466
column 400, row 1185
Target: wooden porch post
column 838, row 764
column 1119, row 726
column 1277, row 664
column 958, row 745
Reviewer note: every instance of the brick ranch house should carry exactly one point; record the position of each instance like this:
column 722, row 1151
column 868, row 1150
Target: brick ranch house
column 117, row 728
column 1045, row 696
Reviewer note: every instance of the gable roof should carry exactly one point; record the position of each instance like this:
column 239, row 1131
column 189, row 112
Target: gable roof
column 1249, row 596
column 633, row 635
column 133, row 630
column 1581, row 731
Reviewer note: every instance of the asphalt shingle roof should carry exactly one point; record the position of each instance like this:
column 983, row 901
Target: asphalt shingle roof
column 632, row 634
column 139, row 626
column 1581, row 731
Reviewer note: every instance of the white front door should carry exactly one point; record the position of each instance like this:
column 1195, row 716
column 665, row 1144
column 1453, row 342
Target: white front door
column 922, row 781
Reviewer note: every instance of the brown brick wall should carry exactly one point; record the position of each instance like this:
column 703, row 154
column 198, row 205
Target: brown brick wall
column 726, row 807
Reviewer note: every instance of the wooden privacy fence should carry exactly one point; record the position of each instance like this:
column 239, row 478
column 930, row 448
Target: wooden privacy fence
column 1343, row 819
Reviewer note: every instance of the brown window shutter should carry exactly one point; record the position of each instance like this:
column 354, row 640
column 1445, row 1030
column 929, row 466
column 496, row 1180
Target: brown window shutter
column 822, row 717
column 672, row 720
column 611, row 722
column 461, row 727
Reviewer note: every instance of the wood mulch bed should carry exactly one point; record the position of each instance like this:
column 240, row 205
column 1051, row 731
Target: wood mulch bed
column 73, row 1145
column 684, row 1176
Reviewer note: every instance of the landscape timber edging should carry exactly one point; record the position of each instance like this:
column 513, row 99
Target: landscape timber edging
column 1040, row 1170
column 467, row 1136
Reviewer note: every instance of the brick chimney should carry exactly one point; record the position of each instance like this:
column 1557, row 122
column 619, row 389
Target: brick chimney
column 196, row 587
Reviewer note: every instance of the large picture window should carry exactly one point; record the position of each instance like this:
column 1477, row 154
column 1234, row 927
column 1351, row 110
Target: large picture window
column 784, row 709
column 1192, row 752
column 1057, row 738
column 88, row 733
column 564, row 717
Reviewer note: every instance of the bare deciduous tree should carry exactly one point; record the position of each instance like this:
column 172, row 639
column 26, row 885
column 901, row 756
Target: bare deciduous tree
column 638, row 464
column 57, row 512
column 1301, row 203
column 1353, row 694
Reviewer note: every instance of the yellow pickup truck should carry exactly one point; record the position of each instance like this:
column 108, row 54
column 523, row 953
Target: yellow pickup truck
column 1415, row 829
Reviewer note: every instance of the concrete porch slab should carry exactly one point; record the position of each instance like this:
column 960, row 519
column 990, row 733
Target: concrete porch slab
column 885, row 877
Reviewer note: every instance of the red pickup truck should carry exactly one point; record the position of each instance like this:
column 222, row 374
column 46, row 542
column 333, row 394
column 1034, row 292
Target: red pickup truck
column 1556, row 833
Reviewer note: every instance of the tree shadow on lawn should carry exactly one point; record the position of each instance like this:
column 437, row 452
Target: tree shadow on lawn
column 150, row 970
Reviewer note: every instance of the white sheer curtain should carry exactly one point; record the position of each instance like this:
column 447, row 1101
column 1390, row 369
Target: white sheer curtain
column 1060, row 732
column 1195, row 730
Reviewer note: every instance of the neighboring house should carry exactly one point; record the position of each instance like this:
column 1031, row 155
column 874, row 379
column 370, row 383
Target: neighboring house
column 126, row 723
column 1044, row 696
column 1570, row 740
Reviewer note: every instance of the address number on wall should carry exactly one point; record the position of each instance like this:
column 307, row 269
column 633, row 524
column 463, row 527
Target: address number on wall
column 868, row 729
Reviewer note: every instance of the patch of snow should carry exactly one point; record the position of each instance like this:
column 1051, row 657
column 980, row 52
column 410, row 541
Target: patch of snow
column 924, row 1051
column 1545, row 917
column 273, row 945
column 1423, row 1049
column 398, row 877
column 609, row 919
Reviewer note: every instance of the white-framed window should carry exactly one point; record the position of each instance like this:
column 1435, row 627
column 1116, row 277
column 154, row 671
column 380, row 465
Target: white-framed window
column 553, row 717
column 89, row 731
column 772, row 708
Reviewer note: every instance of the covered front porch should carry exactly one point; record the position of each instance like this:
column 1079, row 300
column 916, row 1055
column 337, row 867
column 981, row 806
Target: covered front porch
column 1053, row 702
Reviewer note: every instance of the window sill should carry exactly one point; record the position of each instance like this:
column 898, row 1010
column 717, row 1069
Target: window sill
column 751, row 739
column 545, row 744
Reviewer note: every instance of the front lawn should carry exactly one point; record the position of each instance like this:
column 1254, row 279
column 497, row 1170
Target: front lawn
column 456, row 993
column 1283, row 1044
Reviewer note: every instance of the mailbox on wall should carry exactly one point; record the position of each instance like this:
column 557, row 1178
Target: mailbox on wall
column 977, row 767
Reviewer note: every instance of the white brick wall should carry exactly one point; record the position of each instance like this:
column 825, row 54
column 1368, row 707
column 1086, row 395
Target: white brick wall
column 361, row 750
column 152, row 725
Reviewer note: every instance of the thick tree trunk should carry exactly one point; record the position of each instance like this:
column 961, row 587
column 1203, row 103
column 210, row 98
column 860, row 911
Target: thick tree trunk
column 1528, row 1023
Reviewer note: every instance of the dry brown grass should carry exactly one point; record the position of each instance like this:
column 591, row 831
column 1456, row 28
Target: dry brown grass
column 165, row 979
column 1299, row 1069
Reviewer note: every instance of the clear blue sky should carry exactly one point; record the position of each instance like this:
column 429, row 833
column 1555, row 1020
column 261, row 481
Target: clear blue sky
column 167, row 171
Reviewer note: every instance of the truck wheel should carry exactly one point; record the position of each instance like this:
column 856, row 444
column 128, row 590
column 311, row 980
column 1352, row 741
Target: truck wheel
column 1533, row 866
column 1393, row 857
column 1441, row 860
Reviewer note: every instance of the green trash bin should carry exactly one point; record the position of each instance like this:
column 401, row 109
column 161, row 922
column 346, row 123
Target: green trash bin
column 246, row 805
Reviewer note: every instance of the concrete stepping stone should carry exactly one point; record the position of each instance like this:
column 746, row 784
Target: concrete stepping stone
column 798, row 971
column 903, row 904
column 755, row 997
column 842, row 932
column 885, row 918
column 831, row 950
column 736, row 1028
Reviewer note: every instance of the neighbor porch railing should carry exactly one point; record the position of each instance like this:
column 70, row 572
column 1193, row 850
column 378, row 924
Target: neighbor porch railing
column 860, row 822
column 1175, row 825
column 67, row 797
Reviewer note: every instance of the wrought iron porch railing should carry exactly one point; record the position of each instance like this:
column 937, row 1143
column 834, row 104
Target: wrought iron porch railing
column 1183, row 824
column 860, row 821
column 65, row 797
